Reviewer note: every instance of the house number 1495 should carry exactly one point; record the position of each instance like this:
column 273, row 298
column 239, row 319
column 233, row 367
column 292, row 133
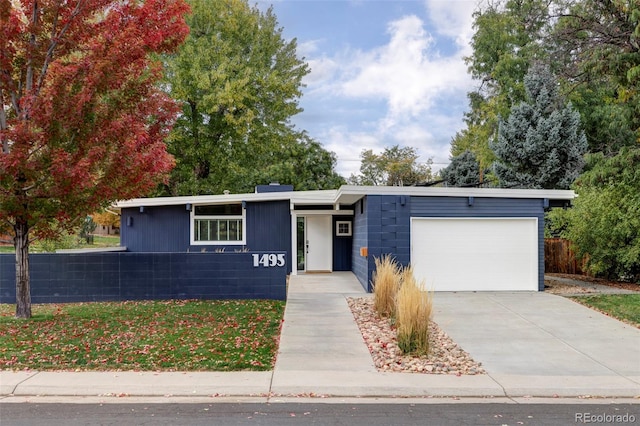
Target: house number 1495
column 268, row 260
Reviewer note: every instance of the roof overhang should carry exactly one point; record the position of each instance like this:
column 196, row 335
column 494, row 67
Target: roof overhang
column 296, row 197
column 350, row 194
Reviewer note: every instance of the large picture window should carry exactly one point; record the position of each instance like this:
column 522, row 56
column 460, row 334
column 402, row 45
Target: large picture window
column 218, row 224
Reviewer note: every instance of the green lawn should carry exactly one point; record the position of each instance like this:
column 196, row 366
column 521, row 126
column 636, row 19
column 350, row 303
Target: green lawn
column 143, row 336
column 69, row 242
column 104, row 241
column 625, row 307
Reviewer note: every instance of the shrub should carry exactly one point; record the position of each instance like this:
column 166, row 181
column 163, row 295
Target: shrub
column 604, row 222
column 413, row 314
column 386, row 281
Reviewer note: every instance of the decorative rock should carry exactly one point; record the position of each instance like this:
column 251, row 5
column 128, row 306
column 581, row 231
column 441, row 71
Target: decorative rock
column 445, row 356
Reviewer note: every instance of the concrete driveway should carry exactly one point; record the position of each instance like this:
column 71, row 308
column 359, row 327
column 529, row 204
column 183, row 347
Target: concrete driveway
column 529, row 343
column 542, row 341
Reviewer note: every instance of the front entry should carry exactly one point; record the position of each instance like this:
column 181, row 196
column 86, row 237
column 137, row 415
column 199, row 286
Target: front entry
column 315, row 244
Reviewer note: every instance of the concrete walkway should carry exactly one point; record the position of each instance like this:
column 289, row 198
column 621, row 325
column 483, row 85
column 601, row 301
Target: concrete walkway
column 319, row 332
column 531, row 345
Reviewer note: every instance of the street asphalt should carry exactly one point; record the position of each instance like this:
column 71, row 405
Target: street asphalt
column 533, row 346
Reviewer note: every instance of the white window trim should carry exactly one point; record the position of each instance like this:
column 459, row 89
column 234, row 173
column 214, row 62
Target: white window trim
column 344, row 234
column 192, row 231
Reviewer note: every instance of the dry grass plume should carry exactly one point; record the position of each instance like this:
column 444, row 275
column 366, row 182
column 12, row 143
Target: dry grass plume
column 413, row 314
column 386, row 282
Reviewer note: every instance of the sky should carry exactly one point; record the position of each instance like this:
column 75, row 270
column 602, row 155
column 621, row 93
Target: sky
column 383, row 72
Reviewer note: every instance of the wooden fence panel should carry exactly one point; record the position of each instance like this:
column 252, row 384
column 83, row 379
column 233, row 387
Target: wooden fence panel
column 560, row 258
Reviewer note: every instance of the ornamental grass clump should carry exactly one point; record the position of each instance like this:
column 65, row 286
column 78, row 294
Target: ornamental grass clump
column 386, row 282
column 413, row 314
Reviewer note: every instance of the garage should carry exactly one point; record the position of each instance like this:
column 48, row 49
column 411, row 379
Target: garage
column 476, row 254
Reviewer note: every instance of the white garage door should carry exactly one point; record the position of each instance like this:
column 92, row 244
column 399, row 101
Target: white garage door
column 475, row 254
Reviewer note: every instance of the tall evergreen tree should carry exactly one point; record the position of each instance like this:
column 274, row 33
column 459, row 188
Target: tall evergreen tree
column 464, row 170
column 541, row 144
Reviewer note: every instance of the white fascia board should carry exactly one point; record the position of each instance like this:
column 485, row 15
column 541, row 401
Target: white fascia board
column 297, row 197
column 348, row 194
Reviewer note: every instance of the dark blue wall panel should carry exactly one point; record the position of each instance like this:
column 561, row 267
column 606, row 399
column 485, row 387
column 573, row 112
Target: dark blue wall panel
column 157, row 229
column 388, row 228
column 167, row 229
column 359, row 264
column 485, row 207
column 84, row 277
column 269, row 227
column 342, row 246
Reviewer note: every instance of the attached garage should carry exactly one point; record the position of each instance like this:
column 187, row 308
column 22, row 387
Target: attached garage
column 468, row 254
column 456, row 239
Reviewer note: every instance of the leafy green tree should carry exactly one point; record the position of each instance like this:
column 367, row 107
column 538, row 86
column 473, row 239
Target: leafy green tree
column 464, row 170
column 306, row 165
column 604, row 223
column 597, row 57
column 508, row 37
column 541, row 144
column 239, row 82
column 395, row 166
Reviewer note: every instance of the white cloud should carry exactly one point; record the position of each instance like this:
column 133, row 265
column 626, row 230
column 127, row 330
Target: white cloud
column 419, row 89
column 405, row 72
column 453, row 19
column 394, row 71
column 323, row 70
column 348, row 144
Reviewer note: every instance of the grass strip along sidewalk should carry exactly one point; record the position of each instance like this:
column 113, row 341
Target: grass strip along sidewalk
column 625, row 307
column 193, row 335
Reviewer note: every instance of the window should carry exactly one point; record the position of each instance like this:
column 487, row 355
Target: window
column 218, row 224
column 343, row 228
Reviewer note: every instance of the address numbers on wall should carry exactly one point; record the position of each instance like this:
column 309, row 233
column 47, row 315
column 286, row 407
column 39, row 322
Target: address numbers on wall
column 268, row 260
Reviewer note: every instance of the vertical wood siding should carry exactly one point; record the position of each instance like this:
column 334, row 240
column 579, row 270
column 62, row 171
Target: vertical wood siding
column 167, row 229
column 269, row 228
column 158, row 229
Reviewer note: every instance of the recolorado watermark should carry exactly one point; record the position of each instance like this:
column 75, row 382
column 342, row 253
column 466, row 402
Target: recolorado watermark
column 604, row 418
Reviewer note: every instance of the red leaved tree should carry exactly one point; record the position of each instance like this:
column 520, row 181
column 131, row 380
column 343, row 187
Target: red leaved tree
column 82, row 120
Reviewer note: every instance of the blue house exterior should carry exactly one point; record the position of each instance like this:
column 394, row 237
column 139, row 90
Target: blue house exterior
column 456, row 239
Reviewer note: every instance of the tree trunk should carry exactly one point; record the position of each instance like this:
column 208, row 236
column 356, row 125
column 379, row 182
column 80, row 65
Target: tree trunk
column 23, row 290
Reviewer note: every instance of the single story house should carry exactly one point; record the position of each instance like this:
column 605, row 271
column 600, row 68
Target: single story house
column 457, row 239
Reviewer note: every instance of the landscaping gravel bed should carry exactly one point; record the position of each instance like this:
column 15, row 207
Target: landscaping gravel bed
column 600, row 281
column 556, row 287
column 445, row 356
